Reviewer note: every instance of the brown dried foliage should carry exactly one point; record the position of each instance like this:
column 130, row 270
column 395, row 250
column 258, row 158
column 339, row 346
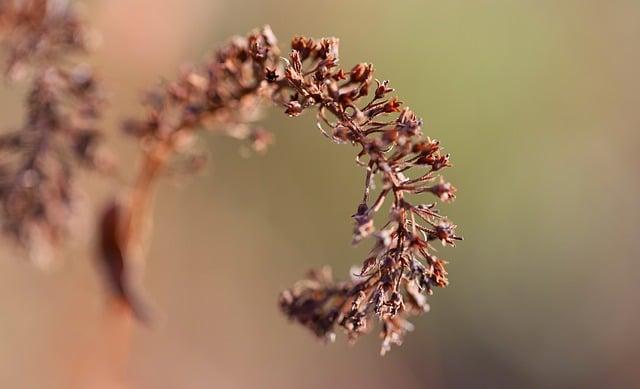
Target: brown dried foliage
column 224, row 93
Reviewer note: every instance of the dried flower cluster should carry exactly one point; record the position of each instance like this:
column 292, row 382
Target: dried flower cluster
column 61, row 125
column 401, row 268
column 225, row 91
column 61, row 129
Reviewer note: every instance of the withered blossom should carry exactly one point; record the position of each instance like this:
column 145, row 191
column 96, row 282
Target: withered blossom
column 400, row 270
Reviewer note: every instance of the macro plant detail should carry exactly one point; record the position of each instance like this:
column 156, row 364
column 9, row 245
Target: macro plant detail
column 224, row 94
column 400, row 268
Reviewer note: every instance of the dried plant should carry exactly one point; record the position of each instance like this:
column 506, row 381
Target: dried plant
column 60, row 130
column 401, row 268
column 225, row 91
column 224, row 94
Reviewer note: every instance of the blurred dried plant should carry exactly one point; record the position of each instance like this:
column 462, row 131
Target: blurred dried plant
column 224, row 94
column 60, row 130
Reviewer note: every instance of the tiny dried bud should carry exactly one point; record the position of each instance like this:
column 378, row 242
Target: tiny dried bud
column 444, row 191
column 438, row 273
column 328, row 48
column 296, row 62
column 339, row 75
column 360, row 72
column 363, row 227
column 392, row 105
column 382, row 89
column 426, row 147
column 271, row 75
column 294, row 109
column 445, row 232
column 440, row 162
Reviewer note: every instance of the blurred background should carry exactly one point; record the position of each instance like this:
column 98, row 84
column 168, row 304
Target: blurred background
column 536, row 100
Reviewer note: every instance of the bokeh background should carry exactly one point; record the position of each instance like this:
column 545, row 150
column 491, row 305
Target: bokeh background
column 536, row 100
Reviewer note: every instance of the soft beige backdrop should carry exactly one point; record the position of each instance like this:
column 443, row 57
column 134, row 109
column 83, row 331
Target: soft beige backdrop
column 536, row 100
